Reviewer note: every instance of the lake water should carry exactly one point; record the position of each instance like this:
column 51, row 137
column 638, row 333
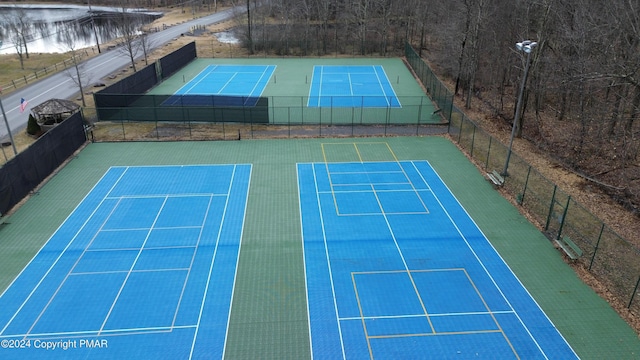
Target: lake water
column 47, row 25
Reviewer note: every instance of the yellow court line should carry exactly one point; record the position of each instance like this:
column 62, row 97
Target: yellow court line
column 415, row 288
column 357, row 151
column 364, row 323
column 391, row 151
column 428, row 317
column 491, row 313
column 355, row 144
column 326, row 166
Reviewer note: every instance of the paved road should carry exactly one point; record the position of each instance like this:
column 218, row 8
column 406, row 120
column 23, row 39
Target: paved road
column 60, row 86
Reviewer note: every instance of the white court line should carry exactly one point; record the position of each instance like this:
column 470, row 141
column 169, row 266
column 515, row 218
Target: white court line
column 45, row 244
column 304, row 259
column 384, row 93
column 350, row 84
column 102, row 331
column 393, row 91
column 135, row 261
column 313, row 74
column 404, row 261
column 326, row 251
column 417, row 316
column 368, row 191
column 373, row 185
column 482, row 264
column 145, row 229
column 125, row 271
column 193, row 257
column 235, row 273
column 122, row 331
column 63, row 251
column 147, row 248
column 160, row 196
column 66, row 277
column 226, row 84
column 264, row 72
column 215, row 252
column 209, row 69
column 369, row 172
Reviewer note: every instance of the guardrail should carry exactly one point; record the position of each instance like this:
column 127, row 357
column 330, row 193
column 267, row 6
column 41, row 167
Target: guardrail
column 39, row 74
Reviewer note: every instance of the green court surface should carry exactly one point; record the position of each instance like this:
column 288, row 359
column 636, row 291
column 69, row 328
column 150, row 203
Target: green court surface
column 289, row 91
column 292, row 77
column 269, row 318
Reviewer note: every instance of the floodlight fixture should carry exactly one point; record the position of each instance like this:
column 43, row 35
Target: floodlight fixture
column 526, row 46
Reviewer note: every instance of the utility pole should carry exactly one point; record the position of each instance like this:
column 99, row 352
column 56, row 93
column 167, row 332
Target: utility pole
column 93, row 25
column 6, row 122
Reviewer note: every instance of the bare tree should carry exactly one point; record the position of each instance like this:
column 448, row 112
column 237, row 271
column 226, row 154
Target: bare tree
column 22, row 27
column 93, row 26
column 128, row 34
column 18, row 30
column 76, row 73
column 145, row 45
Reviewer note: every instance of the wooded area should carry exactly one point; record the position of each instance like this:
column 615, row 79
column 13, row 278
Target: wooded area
column 582, row 99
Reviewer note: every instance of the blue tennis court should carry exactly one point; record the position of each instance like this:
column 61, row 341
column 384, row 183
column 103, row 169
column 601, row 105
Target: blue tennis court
column 224, row 85
column 351, row 86
column 148, row 257
column 396, row 269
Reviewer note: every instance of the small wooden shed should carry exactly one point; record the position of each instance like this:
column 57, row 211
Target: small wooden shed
column 53, row 111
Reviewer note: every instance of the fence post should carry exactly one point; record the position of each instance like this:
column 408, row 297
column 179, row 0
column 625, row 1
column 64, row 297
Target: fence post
column 386, row 121
column 486, row 164
column 564, row 218
column 353, row 114
column 595, row 250
column 289, row 120
column 419, row 116
column 553, row 199
column 524, row 188
column 635, row 290
column 251, row 126
column 473, row 140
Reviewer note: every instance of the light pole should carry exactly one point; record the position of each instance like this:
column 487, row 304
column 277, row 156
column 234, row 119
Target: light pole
column 527, row 46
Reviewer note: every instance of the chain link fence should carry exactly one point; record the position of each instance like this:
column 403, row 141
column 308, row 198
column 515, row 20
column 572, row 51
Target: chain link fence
column 287, row 126
column 585, row 238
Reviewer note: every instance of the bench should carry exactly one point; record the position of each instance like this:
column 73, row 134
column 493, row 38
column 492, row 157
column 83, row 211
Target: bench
column 495, row 178
column 570, row 248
